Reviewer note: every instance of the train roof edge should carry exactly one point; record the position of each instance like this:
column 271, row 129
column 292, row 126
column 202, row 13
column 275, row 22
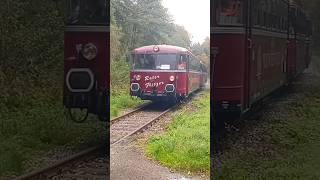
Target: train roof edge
column 162, row 47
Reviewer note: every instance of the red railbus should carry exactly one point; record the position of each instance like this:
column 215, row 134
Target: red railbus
column 86, row 67
column 251, row 54
column 165, row 73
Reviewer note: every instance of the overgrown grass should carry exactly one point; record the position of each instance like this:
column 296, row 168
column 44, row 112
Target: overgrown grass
column 120, row 84
column 121, row 102
column 293, row 144
column 186, row 143
column 35, row 123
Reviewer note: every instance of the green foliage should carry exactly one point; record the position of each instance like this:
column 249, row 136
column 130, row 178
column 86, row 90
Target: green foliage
column 120, row 102
column 32, row 118
column 202, row 51
column 33, row 124
column 146, row 22
column 186, row 143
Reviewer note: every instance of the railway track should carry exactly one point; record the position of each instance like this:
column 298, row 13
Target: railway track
column 136, row 121
column 92, row 163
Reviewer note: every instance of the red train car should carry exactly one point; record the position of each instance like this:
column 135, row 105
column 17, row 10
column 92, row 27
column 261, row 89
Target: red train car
column 250, row 52
column 165, row 73
column 86, row 67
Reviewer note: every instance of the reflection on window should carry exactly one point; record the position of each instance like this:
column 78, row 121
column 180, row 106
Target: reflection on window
column 95, row 12
column 74, row 11
column 155, row 61
column 87, row 12
column 182, row 63
column 230, row 12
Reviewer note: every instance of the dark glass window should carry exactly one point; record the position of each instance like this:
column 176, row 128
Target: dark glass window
column 87, row 12
column 230, row 12
column 155, row 61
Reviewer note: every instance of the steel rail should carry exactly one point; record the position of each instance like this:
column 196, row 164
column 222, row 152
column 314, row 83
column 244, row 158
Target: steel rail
column 139, row 108
column 144, row 125
column 39, row 174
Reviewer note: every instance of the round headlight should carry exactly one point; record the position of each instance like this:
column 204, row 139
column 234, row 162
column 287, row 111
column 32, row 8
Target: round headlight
column 156, row 49
column 89, row 51
column 171, row 78
column 138, row 77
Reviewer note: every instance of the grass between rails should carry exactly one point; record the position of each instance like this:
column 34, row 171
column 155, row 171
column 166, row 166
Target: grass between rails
column 289, row 148
column 121, row 102
column 186, row 143
column 34, row 123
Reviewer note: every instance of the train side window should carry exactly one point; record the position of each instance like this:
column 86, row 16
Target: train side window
column 182, row 63
column 192, row 64
column 230, row 12
column 95, row 12
column 73, row 11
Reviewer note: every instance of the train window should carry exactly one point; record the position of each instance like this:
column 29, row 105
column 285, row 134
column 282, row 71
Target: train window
column 95, row 12
column 73, row 11
column 87, row 12
column 182, row 62
column 192, row 63
column 230, row 12
column 155, row 61
column 260, row 15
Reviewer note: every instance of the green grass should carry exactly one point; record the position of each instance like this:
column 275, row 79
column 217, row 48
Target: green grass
column 120, row 99
column 293, row 145
column 186, row 143
column 34, row 123
column 121, row 102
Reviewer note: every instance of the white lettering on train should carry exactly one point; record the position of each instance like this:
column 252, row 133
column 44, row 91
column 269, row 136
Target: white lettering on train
column 148, row 78
column 153, row 84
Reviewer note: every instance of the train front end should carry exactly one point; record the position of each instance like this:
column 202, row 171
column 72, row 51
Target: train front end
column 158, row 74
column 86, row 67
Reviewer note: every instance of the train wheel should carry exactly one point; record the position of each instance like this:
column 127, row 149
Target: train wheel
column 78, row 115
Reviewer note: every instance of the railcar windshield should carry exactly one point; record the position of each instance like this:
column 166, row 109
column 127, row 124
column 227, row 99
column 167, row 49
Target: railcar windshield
column 155, row 61
column 229, row 12
column 87, row 12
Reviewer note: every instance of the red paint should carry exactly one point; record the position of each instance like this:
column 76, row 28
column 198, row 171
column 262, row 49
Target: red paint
column 250, row 61
column 96, row 100
column 100, row 65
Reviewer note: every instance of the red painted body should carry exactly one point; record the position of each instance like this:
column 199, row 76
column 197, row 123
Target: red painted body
column 251, row 59
column 152, row 82
column 96, row 98
column 99, row 66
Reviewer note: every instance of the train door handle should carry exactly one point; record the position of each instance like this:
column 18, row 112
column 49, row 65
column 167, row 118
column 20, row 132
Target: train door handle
column 249, row 43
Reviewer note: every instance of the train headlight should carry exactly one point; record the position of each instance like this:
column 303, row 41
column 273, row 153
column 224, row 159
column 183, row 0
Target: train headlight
column 138, row 77
column 171, row 78
column 89, row 51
